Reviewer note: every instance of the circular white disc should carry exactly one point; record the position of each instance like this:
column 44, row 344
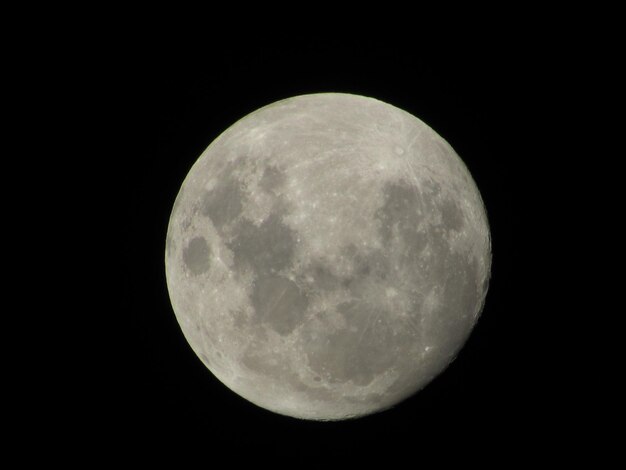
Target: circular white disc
column 327, row 256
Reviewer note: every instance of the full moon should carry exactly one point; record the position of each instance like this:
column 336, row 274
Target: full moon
column 327, row 256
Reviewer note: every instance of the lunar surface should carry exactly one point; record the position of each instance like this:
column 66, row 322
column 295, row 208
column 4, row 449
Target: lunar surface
column 327, row 256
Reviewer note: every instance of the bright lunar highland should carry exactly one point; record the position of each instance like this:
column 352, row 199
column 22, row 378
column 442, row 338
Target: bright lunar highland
column 327, row 256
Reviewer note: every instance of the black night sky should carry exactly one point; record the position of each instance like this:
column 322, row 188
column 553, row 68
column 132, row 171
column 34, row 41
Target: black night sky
column 173, row 99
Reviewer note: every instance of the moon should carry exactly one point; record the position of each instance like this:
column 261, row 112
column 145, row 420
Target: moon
column 327, row 256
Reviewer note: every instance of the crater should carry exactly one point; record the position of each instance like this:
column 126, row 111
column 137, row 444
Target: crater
column 196, row 256
column 205, row 359
column 279, row 302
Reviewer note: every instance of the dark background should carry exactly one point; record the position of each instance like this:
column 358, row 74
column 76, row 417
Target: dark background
column 171, row 100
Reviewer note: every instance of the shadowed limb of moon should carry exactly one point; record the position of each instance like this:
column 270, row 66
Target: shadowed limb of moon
column 327, row 256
